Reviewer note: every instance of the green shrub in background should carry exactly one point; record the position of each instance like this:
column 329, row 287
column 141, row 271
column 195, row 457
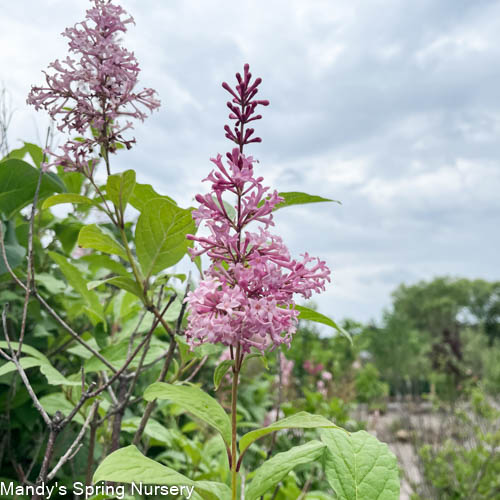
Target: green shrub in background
column 467, row 463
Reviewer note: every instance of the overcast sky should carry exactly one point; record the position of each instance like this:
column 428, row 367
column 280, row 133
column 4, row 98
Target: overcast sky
column 392, row 107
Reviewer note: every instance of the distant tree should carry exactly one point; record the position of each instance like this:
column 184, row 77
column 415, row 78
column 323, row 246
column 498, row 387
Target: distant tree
column 439, row 311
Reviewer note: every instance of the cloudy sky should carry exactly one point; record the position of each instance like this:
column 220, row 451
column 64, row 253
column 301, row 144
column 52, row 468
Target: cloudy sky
column 392, row 107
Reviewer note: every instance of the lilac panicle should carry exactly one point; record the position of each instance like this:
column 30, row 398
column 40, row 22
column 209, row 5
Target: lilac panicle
column 94, row 87
column 246, row 297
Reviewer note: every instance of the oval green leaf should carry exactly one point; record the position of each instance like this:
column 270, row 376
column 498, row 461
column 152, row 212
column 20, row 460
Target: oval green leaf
column 32, row 357
column 271, row 472
column 76, row 280
column 18, row 182
column 358, row 466
column 33, row 150
column 123, row 282
column 160, row 235
column 59, row 199
column 221, row 370
column 143, row 194
column 13, row 250
column 195, row 401
column 297, row 198
column 301, row 420
column 311, row 315
column 119, row 188
column 129, row 465
column 92, row 236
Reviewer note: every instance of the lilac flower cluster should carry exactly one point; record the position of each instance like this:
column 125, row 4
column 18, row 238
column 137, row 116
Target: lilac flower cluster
column 246, row 297
column 312, row 368
column 90, row 92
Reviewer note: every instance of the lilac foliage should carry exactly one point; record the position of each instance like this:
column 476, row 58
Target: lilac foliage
column 246, row 296
column 89, row 91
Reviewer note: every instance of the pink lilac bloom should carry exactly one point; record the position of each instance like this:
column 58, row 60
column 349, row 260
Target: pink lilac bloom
column 312, row 368
column 246, row 298
column 327, row 376
column 92, row 93
column 321, row 388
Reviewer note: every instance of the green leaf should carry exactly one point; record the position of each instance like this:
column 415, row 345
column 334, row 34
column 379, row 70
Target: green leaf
column 123, row 282
column 160, row 235
column 33, row 358
column 72, row 180
column 120, row 187
column 98, row 261
column 143, row 194
column 93, row 236
column 100, row 335
column 254, row 355
column 197, row 262
column 14, row 251
column 117, row 354
column 50, row 283
column 76, row 280
column 318, row 495
column 230, row 210
column 59, row 199
column 129, row 465
column 221, row 370
column 33, row 150
column 195, row 401
column 31, row 351
column 301, row 420
column 358, row 466
column 275, row 469
column 18, row 181
column 296, row 198
column 311, row 315
column 67, row 232
column 153, row 430
column 57, row 401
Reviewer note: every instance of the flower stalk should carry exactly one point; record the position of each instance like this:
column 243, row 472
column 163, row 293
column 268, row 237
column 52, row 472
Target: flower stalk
column 234, row 435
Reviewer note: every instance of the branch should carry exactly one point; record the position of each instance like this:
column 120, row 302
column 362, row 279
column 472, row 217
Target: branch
column 197, row 369
column 151, row 405
column 168, row 359
column 75, row 446
column 13, row 358
column 92, row 439
column 72, row 332
column 30, row 269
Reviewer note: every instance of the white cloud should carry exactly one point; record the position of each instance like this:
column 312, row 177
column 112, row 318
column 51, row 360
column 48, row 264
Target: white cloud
column 390, row 106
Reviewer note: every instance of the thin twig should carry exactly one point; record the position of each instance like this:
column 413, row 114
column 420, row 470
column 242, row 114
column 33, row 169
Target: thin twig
column 166, row 365
column 197, row 369
column 75, row 335
column 305, row 489
column 112, row 394
column 278, row 406
column 151, row 404
column 92, row 439
column 70, row 452
column 35, row 455
column 30, row 268
column 22, row 373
